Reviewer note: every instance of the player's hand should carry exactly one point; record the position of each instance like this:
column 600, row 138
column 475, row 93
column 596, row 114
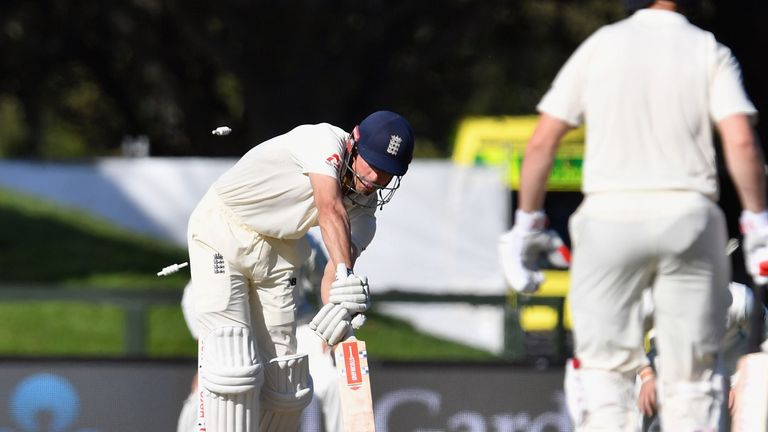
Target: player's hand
column 754, row 227
column 646, row 400
column 349, row 297
column 522, row 247
column 351, row 292
column 332, row 323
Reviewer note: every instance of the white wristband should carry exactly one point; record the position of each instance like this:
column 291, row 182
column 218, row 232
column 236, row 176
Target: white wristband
column 750, row 221
column 529, row 221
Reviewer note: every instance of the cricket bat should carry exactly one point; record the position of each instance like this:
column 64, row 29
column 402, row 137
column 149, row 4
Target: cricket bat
column 354, row 386
column 750, row 412
column 354, row 377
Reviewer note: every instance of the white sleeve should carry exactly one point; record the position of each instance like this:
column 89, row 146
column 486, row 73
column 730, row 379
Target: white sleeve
column 319, row 149
column 565, row 99
column 727, row 94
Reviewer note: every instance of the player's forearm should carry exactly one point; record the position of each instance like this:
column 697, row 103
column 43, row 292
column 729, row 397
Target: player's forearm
column 334, row 227
column 329, row 275
column 334, row 239
column 539, row 156
column 745, row 161
column 533, row 179
column 748, row 175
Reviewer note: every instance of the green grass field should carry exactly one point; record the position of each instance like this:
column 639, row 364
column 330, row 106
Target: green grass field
column 62, row 249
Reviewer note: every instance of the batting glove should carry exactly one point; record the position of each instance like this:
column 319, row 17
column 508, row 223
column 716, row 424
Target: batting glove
column 522, row 248
column 333, row 323
column 349, row 298
column 351, row 292
column 754, row 228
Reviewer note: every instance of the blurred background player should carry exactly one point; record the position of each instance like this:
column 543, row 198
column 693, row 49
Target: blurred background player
column 734, row 345
column 649, row 88
column 321, row 363
column 246, row 243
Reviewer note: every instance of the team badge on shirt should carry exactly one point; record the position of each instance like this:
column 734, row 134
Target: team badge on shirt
column 333, row 160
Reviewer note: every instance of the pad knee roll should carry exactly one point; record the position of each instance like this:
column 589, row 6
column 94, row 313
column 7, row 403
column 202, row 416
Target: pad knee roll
column 288, row 390
column 600, row 399
column 230, row 380
column 229, row 362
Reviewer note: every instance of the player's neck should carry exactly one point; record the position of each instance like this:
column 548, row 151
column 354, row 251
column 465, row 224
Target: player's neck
column 664, row 5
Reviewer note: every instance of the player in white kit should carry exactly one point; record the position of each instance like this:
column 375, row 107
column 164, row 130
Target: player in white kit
column 649, row 89
column 246, row 243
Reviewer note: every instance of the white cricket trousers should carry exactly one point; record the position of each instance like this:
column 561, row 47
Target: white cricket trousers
column 242, row 278
column 673, row 242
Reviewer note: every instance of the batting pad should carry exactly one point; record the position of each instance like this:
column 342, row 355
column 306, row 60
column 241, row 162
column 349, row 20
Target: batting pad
column 600, row 399
column 287, row 391
column 751, row 410
column 230, row 379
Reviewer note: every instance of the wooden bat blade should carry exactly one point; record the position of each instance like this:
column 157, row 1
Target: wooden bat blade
column 355, row 386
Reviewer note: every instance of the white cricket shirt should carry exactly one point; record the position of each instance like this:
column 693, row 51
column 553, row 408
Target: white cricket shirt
column 270, row 191
column 649, row 88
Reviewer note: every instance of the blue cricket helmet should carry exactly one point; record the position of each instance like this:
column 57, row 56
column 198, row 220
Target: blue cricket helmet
column 386, row 142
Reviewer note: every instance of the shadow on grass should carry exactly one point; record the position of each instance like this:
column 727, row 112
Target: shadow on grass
column 43, row 243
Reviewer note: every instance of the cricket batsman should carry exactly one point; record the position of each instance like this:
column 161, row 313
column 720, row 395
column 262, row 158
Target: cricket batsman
column 649, row 88
column 245, row 238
